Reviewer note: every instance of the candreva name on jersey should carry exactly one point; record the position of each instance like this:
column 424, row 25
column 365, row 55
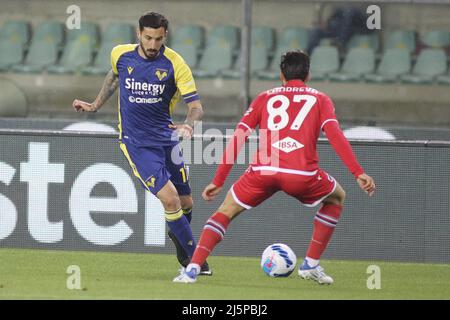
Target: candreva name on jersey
column 292, row 89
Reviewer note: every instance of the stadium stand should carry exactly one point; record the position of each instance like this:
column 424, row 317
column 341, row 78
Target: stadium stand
column 224, row 35
column 444, row 79
column 401, row 39
column 101, row 62
column 43, row 51
column 436, row 38
column 115, row 34
column 49, row 32
column 258, row 62
column 294, row 37
column 79, row 58
column 16, row 31
column 189, row 35
column 263, row 36
column 365, row 41
column 11, row 53
column 88, row 30
column 217, row 56
column 324, row 60
column 430, row 64
column 118, row 33
column 77, row 54
column 359, row 61
column 394, row 63
column 290, row 38
column 40, row 55
column 189, row 53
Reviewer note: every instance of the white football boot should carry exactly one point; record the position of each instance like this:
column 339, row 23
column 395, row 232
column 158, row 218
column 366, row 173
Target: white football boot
column 314, row 273
column 188, row 274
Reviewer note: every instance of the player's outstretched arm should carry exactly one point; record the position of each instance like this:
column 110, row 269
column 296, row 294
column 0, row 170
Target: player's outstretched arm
column 343, row 148
column 366, row 183
column 109, row 86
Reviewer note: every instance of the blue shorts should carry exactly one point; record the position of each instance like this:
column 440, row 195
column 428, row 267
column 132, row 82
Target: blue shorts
column 155, row 166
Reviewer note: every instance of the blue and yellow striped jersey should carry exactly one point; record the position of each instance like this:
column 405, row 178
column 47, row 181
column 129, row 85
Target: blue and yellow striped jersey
column 148, row 91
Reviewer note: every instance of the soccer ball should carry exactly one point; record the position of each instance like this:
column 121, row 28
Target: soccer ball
column 278, row 260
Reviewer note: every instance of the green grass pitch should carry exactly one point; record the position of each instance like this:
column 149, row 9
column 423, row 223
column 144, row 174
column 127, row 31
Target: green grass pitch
column 42, row 274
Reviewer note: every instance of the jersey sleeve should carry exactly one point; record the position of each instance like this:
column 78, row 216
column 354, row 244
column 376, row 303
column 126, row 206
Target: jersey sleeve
column 243, row 129
column 252, row 116
column 116, row 52
column 342, row 147
column 185, row 81
column 114, row 59
column 327, row 111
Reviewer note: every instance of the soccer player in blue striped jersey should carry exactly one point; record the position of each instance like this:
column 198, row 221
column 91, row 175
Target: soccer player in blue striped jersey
column 151, row 78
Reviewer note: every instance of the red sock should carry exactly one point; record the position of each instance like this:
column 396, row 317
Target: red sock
column 324, row 223
column 212, row 234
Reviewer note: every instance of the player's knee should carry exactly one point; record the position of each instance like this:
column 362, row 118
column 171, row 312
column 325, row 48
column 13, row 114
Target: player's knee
column 230, row 208
column 171, row 203
column 342, row 196
column 186, row 203
column 337, row 197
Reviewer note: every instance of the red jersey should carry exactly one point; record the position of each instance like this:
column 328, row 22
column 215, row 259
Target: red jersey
column 290, row 119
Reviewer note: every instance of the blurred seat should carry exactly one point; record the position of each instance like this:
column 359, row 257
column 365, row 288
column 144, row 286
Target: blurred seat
column 402, row 39
column 40, row 55
column 88, row 31
column 11, row 53
column 216, row 57
column 49, row 31
column 77, row 54
column 263, row 36
column 394, row 63
column 258, row 62
column 115, row 33
column 273, row 72
column 365, row 41
column 193, row 35
column 118, row 33
column 444, row 79
column 358, row 62
column 430, row 64
column 436, row 38
column 294, row 37
column 188, row 52
column 102, row 61
column 224, row 35
column 324, row 60
column 16, row 31
column 44, row 47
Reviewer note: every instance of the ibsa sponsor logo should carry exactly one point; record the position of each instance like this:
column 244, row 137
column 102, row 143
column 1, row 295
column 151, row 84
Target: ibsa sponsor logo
column 287, row 145
column 143, row 100
column 37, row 172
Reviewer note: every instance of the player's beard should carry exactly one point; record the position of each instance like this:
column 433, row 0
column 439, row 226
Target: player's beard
column 149, row 53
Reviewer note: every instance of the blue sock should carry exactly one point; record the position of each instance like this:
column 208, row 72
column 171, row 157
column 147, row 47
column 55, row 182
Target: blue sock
column 188, row 214
column 181, row 228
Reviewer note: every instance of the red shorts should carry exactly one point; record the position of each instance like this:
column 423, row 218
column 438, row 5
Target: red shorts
column 253, row 187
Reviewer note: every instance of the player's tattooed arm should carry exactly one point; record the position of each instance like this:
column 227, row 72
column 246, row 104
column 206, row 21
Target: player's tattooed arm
column 195, row 113
column 109, row 86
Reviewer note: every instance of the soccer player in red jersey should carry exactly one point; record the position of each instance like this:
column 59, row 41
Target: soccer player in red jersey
column 290, row 119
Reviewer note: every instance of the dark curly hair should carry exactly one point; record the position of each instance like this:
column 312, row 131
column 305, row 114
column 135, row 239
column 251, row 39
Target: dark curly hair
column 295, row 65
column 153, row 20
